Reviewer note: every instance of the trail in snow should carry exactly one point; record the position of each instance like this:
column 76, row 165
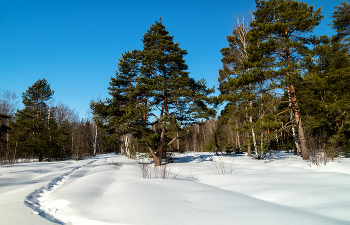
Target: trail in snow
column 104, row 195
column 32, row 200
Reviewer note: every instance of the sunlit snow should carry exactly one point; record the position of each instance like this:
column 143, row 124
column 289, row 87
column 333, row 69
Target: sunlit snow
column 199, row 188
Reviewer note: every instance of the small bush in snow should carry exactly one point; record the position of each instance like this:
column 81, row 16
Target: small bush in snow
column 162, row 171
column 111, row 163
column 221, row 167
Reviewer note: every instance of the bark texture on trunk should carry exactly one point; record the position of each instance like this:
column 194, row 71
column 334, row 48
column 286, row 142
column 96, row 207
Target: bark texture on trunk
column 253, row 134
column 304, row 151
column 296, row 142
column 125, row 148
column 158, row 155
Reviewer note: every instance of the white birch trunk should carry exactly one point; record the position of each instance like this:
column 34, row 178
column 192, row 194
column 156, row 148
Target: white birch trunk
column 125, row 147
column 95, row 141
column 253, row 133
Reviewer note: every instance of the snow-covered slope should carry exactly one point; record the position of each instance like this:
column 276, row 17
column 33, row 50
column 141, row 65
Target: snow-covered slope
column 109, row 189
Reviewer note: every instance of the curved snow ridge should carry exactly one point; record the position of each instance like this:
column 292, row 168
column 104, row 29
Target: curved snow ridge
column 33, row 202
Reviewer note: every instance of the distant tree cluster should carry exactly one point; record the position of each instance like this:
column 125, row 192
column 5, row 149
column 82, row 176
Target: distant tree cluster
column 43, row 131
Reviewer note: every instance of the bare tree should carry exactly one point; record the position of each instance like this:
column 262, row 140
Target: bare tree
column 8, row 105
column 63, row 113
column 8, row 102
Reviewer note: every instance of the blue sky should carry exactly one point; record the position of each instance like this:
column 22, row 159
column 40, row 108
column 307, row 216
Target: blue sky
column 75, row 45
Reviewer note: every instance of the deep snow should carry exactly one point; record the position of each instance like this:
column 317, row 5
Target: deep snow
column 280, row 190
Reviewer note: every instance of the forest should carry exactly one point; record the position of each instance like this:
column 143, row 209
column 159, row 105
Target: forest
column 281, row 88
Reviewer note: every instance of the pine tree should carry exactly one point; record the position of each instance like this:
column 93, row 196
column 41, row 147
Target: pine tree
column 4, row 129
column 325, row 92
column 32, row 121
column 153, row 95
column 341, row 20
column 277, row 44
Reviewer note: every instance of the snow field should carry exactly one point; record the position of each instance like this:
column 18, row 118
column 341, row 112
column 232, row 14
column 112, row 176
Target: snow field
column 37, row 199
column 280, row 190
column 17, row 182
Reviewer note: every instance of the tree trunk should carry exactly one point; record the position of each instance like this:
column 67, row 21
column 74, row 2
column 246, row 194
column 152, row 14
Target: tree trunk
column 127, row 138
column 157, row 156
column 157, row 161
column 249, row 150
column 253, row 133
column 95, row 141
column 293, row 129
column 178, row 141
column 7, row 141
column 262, row 132
column 217, row 147
column 40, row 157
column 304, row 151
column 14, row 156
column 254, row 142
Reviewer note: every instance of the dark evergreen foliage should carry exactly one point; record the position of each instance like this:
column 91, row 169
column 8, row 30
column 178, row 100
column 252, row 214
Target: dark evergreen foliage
column 278, row 43
column 341, row 20
column 32, row 121
column 153, row 95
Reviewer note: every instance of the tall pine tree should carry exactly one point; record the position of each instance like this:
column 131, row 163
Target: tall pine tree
column 32, row 122
column 277, row 44
column 153, row 95
column 325, row 91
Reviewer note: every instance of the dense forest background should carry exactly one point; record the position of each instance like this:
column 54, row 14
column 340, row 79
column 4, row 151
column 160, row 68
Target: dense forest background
column 281, row 87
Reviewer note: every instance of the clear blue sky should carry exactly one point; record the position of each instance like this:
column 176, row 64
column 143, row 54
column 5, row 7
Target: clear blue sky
column 75, row 45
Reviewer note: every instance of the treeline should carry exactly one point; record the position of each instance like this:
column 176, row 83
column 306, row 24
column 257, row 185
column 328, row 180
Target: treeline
column 283, row 89
column 43, row 131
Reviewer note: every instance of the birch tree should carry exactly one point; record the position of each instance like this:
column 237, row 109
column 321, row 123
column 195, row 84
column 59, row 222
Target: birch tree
column 233, row 58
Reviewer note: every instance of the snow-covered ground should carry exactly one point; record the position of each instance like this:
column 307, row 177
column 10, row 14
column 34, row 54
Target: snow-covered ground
column 199, row 189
